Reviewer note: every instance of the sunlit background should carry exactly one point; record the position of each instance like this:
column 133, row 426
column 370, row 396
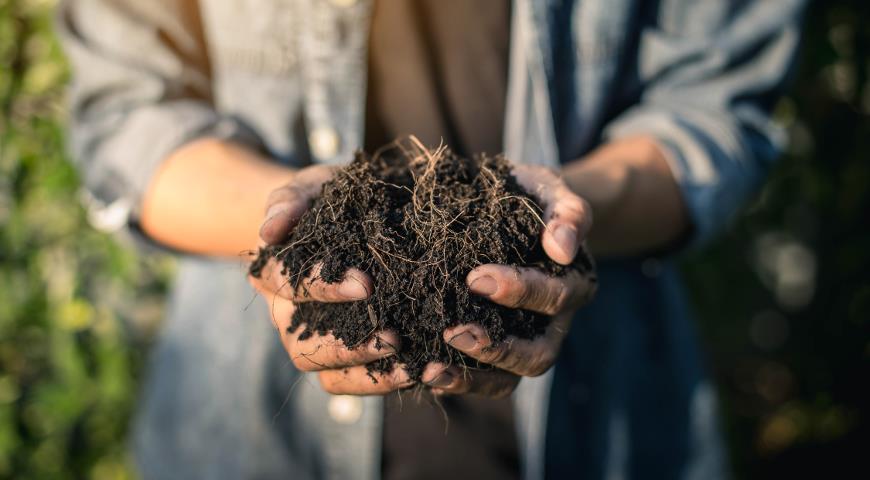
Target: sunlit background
column 783, row 298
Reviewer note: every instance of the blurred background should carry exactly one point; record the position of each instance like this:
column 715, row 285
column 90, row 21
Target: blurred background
column 783, row 298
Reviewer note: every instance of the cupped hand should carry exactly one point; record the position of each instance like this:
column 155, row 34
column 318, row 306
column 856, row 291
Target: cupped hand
column 341, row 368
column 568, row 221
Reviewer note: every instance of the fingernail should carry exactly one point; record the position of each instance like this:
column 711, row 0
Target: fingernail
column 484, row 285
column 566, row 239
column 352, row 289
column 463, row 341
column 442, row 380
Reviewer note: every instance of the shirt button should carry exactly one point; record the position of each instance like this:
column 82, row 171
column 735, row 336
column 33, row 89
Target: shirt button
column 323, row 142
column 108, row 218
column 345, row 409
column 344, row 3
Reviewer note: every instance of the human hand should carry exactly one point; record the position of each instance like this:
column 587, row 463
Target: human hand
column 568, row 221
column 342, row 368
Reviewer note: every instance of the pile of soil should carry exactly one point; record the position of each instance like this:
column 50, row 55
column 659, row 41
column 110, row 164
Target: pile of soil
column 417, row 221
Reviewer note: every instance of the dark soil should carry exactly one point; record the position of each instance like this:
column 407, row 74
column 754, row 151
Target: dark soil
column 417, row 221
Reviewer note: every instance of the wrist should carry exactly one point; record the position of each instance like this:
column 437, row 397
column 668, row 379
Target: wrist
column 636, row 201
column 208, row 197
column 601, row 183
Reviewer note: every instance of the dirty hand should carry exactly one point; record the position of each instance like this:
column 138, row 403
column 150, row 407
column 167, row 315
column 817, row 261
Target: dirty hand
column 568, row 220
column 341, row 369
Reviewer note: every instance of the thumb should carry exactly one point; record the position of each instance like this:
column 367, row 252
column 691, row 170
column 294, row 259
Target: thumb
column 280, row 220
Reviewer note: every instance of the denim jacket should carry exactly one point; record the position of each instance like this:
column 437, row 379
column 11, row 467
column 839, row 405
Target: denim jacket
column 628, row 396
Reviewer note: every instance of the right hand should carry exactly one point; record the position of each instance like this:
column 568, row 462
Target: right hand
column 341, row 370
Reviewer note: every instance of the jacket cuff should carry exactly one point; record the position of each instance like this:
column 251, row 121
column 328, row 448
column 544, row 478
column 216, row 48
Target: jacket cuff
column 716, row 166
column 116, row 185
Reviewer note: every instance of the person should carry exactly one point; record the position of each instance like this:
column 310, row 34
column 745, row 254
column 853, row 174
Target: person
column 187, row 117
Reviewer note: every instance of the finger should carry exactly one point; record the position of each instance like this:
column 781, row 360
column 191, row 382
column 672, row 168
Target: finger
column 359, row 381
column 285, row 205
column 356, row 285
column 568, row 217
column 527, row 358
column 456, row 380
column 530, row 288
column 324, row 352
column 271, row 281
column 569, row 220
column 320, row 352
column 282, row 216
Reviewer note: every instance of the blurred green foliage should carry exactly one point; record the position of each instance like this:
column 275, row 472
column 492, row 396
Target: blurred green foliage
column 783, row 298
column 72, row 301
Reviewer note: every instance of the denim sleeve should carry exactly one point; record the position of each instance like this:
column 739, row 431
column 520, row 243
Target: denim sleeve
column 710, row 72
column 141, row 88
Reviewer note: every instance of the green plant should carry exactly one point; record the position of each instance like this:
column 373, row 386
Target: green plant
column 71, row 298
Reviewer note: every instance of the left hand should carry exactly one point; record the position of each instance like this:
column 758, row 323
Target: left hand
column 341, row 368
column 568, row 221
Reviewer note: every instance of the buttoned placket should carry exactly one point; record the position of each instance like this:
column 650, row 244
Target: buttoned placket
column 333, row 47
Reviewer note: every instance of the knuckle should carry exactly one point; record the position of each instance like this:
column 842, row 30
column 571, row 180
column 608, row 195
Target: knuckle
column 495, row 355
column 517, row 362
column 518, row 293
column 574, row 209
column 537, row 294
column 347, row 356
column 327, row 382
column 522, row 364
column 573, row 203
column 301, row 362
column 558, row 299
column 541, row 364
